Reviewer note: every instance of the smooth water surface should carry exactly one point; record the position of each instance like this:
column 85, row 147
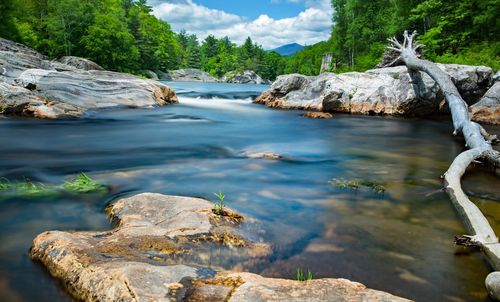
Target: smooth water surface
column 400, row 241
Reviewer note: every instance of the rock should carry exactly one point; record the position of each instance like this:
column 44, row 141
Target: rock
column 30, row 85
column 191, row 75
column 79, row 63
column 382, row 91
column 251, row 287
column 16, row 58
column 151, row 74
column 487, row 110
column 19, row 49
column 264, row 155
column 135, row 259
column 245, row 77
column 320, row 115
column 496, row 77
column 163, row 76
column 492, row 283
column 158, row 252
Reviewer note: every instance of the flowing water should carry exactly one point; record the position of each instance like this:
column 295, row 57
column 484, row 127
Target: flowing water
column 400, row 241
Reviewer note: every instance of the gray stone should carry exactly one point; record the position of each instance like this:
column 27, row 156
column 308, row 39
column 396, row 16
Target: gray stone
column 487, row 110
column 30, row 85
column 79, row 63
column 191, row 75
column 392, row 91
column 496, row 77
column 493, row 285
column 245, row 77
column 163, row 76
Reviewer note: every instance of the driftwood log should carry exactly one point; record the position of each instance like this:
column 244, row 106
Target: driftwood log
column 480, row 149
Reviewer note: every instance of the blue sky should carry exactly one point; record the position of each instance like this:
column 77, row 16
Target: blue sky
column 254, row 8
column 270, row 23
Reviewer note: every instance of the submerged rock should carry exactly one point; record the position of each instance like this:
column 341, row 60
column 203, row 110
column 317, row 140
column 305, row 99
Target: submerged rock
column 161, row 249
column 30, row 85
column 487, row 110
column 191, row 75
column 320, row 115
column 245, row 77
column 392, row 91
column 264, row 155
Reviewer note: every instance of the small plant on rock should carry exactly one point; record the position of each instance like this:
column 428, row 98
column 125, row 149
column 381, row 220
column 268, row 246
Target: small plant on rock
column 302, row 277
column 219, row 205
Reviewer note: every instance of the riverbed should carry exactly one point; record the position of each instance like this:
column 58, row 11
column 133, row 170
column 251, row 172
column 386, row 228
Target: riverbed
column 399, row 240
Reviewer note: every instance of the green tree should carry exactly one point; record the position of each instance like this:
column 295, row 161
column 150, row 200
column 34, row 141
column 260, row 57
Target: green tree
column 108, row 41
column 193, row 52
column 8, row 27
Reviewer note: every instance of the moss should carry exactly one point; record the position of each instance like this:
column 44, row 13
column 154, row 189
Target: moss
column 158, row 244
column 226, row 217
column 138, row 248
column 396, row 76
column 222, row 281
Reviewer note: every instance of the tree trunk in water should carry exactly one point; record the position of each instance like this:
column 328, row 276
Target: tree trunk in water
column 479, row 143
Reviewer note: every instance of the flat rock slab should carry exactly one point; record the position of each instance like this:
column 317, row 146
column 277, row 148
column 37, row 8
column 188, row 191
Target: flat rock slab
column 160, row 250
column 31, row 85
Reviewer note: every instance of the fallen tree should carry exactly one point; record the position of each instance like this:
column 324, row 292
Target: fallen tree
column 480, row 147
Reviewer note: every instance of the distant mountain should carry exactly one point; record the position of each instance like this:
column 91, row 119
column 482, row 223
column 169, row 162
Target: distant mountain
column 289, row 49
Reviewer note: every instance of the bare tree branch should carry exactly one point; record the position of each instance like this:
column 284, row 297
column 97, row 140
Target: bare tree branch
column 479, row 142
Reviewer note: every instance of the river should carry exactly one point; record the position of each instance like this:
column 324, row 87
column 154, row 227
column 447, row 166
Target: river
column 400, row 241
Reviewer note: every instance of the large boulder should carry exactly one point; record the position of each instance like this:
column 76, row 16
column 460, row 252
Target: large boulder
column 79, row 63
column 162, row 249
column 487, row 110
column 31, row 85
column 191, row 75
column 392, row 91
column 245, row 77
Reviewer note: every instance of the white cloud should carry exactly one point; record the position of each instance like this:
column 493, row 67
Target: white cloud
column 308, row 27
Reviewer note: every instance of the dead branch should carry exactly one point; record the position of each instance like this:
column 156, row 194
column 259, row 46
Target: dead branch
column 479, row 143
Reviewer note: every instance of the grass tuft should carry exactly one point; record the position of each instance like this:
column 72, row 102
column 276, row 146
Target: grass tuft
column 83, row 184
column 302, row 277
column 4, row 184
column 29, row 188
column 219, row 205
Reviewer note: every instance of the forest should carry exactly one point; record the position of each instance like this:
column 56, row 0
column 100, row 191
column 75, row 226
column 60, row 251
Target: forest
column 462, row 32
column 124, row 35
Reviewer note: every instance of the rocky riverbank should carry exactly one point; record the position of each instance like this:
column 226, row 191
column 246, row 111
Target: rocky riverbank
column 31, row 85
column 386, row 91
column 197, row 75
column 160, row 250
